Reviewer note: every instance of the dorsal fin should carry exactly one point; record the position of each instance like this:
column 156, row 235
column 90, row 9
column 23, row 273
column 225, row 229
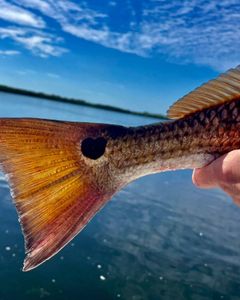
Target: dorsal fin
column 223, row 89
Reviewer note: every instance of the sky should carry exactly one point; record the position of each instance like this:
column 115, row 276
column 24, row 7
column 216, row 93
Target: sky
column 136, row 54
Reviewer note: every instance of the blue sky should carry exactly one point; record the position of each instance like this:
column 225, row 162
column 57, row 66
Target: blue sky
column 137, row 54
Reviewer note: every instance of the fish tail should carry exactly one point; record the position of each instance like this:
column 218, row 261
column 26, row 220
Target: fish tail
column 54, row 185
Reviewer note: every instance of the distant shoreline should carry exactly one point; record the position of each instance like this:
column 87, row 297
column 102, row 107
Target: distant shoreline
column 12, row 90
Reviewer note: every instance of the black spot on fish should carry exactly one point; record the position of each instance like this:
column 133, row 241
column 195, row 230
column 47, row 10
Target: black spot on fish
column 93, row 148
column 237, row 103
column 117, row 131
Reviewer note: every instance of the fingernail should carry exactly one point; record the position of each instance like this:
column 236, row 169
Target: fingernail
column 194, row 180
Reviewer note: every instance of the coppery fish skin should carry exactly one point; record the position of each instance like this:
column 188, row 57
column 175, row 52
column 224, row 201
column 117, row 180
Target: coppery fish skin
column 190, row 142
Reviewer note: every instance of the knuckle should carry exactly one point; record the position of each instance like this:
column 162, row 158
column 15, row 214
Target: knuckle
column 227, row 175
column 230, row 173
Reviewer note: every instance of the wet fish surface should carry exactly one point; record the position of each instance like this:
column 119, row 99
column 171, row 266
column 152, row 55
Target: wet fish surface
column 62, row 173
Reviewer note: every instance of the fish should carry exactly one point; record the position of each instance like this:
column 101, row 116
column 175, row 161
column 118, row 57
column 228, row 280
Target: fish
column 62, row 173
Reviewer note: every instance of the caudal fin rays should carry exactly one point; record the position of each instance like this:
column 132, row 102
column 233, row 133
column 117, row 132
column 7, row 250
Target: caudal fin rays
column 55, row 192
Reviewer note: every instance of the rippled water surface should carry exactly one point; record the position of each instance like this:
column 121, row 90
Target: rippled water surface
column 159, row 238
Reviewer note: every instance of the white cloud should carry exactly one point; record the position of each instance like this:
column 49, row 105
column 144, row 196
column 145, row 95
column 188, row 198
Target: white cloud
column 64, row 11
column 14, row 14
column 184, row 31
column 112, row 3
column 196, row 31
column 39, row 43
column 9, row 52
column 26, row 72
column 40, row 5
column 53, row 75
column 87, row 33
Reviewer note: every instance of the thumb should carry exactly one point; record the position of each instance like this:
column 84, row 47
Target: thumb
column 224, row 170
column 205, row 177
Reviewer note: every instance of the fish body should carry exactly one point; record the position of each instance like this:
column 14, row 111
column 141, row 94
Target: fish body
column 190, row 142
column 62, row 173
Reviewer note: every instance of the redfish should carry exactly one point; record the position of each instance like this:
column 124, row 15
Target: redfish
column 62, row 173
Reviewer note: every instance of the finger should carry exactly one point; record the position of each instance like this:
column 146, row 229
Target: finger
column 205, row 177
column 233, row 190
column 224, row 171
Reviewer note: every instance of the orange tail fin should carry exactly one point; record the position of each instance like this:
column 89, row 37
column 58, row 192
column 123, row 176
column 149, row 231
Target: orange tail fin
column 55, row 188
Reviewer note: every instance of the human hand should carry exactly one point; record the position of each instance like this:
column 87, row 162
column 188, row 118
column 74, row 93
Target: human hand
column 224, row 172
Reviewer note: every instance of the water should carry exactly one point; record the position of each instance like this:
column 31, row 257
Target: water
column 159, row 238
